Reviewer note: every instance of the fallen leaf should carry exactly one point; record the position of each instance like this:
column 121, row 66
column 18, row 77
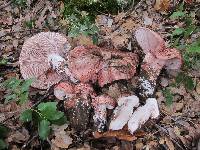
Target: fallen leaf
column 162, row 5
column 19, row 136
column 120, row 134
column 169, row 144
column 62, row 138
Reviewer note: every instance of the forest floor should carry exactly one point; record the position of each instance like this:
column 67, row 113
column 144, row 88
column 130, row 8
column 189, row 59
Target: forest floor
column 178, row 126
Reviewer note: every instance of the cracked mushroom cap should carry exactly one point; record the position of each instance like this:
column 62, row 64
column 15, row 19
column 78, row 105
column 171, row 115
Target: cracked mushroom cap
column 34, row 58
column 91, row 63
column 152, row 43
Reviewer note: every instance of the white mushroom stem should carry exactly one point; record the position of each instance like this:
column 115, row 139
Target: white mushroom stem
column 59, row 64
column 142, row 114
column 123, row 111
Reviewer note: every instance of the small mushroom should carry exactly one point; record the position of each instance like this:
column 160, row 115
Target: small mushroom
column 142, row 114
column 64, row 90
column 157, row 56
column 123, row 111
column 42, row 58
column 77, row 102
column 100, row 105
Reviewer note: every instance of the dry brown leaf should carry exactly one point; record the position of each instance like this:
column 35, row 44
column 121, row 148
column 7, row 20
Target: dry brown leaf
column 120, row 134
column 84, row 40
column 162, row 5
column 62, row 138
column 169, row 144
column 139, row 145
column 19, row 136
column 129, row 25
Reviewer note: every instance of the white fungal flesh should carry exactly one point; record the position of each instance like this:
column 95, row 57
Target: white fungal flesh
column 123, row 111
column 56, row 61
column 142, row 114
column 61, row 94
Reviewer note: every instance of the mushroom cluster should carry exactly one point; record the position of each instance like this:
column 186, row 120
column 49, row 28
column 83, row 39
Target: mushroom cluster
column 49, row 59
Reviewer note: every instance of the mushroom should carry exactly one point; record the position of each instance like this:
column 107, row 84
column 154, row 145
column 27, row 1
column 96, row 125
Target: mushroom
column 157, row 56
column 116, row 66
column 123, row 111
column 64, row 90
column 91, row 63
column 42, row 57
column 100, row 104
column 78, row 111
column 142, row 114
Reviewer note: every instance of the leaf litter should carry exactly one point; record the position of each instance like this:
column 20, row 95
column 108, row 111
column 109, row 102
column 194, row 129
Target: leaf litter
column 179, row 122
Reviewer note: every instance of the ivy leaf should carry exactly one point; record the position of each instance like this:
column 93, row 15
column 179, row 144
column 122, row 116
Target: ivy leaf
column 177, row 15
column 189, row 30
column 12, row 83
column 169, row 97
column 9, row 97
column 23, row 98
column 186, row 80
column 178, row 31
column 26, row 116
column 3, row 145
column 194, row 47
column 26, row 85
column 189, row 83
column 49, row 111
column 44, row 129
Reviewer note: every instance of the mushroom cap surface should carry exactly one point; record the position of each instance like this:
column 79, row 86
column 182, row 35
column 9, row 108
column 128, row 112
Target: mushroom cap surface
column 34, row 58
column 105, row 100
column 91, row 63
column 153, row 44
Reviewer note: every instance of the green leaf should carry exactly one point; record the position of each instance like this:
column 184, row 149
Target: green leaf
column 12, row 83
column 10, row 97
column 49, row 111
column 3, row 62
column 177, row 15
column 178, row 31
column 26, row 116
column 23, row 98
column 3, row 145
column 186, row 80
column 169, row 97
column 194, row 47
column 3, row 131
column 189, row 83
column 189, row 30
column 26, row 84
column 44, row 129
column 60, row 121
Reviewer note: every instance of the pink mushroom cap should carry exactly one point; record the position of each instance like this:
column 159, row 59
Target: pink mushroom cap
column 91, row 63
column 34, row 57
column 153, row 44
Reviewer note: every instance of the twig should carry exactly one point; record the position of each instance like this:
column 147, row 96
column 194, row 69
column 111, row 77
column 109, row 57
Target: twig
column 29, row 141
